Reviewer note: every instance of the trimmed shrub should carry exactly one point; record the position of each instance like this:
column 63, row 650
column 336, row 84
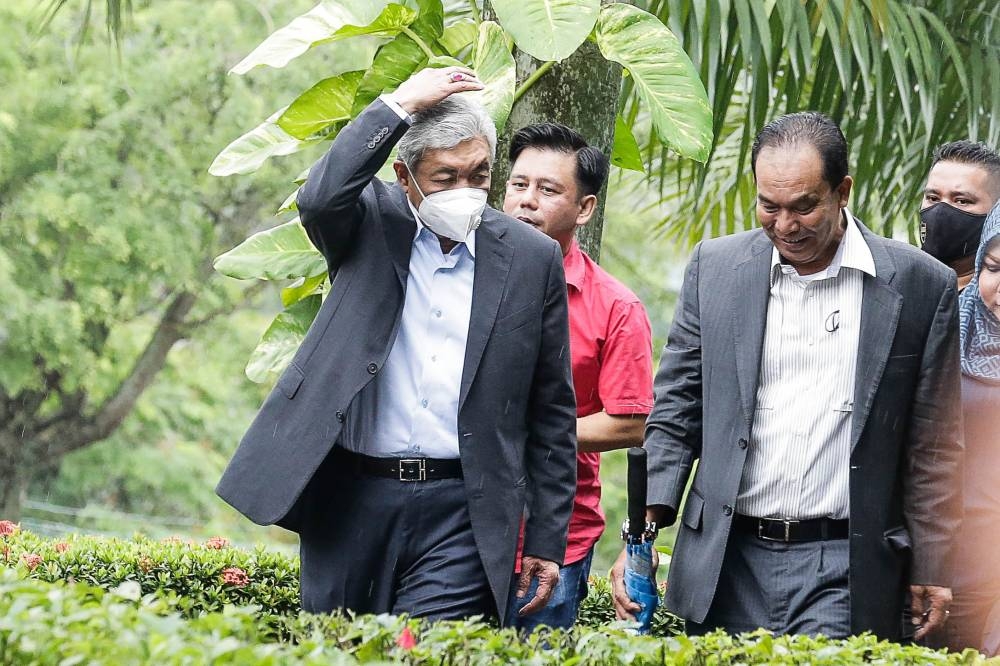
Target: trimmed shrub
column 191, row 577
column 55, row 623
column 198, row 577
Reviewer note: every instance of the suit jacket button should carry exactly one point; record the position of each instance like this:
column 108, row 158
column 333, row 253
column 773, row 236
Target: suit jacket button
column 340, row 416
column 372, row 368
column 742, row 443
column 728, row 510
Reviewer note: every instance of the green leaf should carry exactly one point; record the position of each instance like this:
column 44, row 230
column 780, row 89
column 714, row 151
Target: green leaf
column 326, row 103
column 445, row 61
column 458, row 36
column 495, row 67
column 301, row 288
column 389, row 23
column 547, row 29
column 625, row 154
column 664, row 77
column 280, row 253
column 396, row 61
column 247, row 153
column 281, row 340
column 289, row 203
column 316, row 26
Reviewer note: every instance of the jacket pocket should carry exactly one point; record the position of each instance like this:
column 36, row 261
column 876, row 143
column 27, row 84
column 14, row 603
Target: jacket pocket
column 515, row 320
column 290, row 380
column 693, row 508
column 898, row 539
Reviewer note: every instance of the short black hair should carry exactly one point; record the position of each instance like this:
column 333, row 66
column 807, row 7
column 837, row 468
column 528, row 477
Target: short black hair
column 811, row 128
column 591, row 164
column 969, row 152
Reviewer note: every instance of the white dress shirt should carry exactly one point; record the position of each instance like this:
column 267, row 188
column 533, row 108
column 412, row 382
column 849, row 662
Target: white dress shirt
column 798, row 461
column 416, row 408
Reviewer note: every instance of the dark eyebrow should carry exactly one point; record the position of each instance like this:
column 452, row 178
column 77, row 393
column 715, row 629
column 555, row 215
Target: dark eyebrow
column 963, row 193
column 807, row 199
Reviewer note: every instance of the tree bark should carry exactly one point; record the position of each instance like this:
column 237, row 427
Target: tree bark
column 581, row 92
column 15, row 473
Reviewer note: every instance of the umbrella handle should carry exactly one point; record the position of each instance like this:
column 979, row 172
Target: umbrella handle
column 637, row 492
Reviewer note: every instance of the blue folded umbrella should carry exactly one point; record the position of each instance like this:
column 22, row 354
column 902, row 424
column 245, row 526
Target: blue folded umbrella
column 640, row 583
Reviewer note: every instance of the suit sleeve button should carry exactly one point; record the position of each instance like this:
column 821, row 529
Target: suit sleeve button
column 372, row 368
column 340, row 416
column 742, row 443
column 728, row 510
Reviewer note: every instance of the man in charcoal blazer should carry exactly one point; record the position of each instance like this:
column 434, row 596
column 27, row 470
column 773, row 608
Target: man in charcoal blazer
column 812, row 371
column 407, row 473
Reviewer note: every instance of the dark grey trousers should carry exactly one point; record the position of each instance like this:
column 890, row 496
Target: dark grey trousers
column 377, row 545
column 794, row 588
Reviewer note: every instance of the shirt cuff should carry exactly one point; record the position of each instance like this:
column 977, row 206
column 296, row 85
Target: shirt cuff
column 389, row 102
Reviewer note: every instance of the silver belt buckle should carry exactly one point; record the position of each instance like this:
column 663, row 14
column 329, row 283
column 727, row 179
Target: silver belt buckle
column 413, row 469
column 788, row 530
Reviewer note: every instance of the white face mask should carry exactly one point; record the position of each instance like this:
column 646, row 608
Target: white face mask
column 454, row 213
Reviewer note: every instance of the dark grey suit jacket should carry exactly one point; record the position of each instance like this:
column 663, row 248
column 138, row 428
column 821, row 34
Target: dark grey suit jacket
column 517, row 409
column 906, row 434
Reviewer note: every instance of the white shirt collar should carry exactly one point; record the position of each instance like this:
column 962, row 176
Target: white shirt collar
column 853, row 252
column 470, row 240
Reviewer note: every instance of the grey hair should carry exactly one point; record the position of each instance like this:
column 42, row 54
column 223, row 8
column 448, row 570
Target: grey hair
column 445, row 125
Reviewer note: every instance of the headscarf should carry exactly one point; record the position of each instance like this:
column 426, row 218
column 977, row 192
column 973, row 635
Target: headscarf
column 980, row 327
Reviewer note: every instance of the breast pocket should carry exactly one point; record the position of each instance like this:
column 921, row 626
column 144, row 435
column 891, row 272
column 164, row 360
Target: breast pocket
column 516, row 320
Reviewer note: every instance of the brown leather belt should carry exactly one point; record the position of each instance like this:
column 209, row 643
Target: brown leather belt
column 792, row 531
column 403, row 469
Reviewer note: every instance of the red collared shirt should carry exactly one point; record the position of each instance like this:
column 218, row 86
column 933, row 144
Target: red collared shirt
column 611, row 347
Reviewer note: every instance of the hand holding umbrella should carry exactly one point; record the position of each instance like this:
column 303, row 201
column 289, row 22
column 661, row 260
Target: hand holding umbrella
column 640, row 568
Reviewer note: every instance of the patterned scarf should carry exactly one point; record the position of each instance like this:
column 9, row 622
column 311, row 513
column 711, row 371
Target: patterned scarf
column 980, row 327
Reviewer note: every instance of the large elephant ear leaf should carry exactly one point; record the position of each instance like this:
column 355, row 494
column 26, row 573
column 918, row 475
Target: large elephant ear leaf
column 249, row 152
column 282, row 339
column 495, row 67
column 316, row 26
column 547, row 29
column 325, row 104
column 281, row 253
column 664, row 76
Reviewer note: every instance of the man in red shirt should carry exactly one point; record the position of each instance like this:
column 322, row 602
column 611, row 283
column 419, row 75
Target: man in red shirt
column 554, row 181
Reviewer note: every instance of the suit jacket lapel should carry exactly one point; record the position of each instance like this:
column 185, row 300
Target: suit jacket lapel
column 400, row 227
column 493, row 258
column 880, row 307
column 751, row 291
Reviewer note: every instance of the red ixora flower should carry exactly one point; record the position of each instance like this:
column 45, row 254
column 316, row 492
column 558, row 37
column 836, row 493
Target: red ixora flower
column 217, row 543
column 31, row 560
column 406, row 640
column 7, row 527
column 235, row 576
column 62, row 547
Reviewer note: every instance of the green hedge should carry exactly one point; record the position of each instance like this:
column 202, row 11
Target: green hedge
column 55, row 623
column 198, row 577
column 144, row 601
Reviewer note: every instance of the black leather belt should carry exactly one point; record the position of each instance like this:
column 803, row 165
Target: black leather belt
column 792, row 531
column 404, row 469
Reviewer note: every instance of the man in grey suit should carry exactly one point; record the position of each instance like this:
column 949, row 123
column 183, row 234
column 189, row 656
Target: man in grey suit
column 432, row 397
column 812, row 370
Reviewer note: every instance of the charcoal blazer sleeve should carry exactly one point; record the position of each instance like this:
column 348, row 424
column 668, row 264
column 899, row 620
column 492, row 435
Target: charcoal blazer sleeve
column 674, row 426
column 932, row 481
column 331, row 204
column 550, row 456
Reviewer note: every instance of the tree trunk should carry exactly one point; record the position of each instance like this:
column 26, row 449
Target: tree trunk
column 15, row 473
column 581, row 92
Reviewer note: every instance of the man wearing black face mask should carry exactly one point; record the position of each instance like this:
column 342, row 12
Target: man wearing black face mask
column 962, row 187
